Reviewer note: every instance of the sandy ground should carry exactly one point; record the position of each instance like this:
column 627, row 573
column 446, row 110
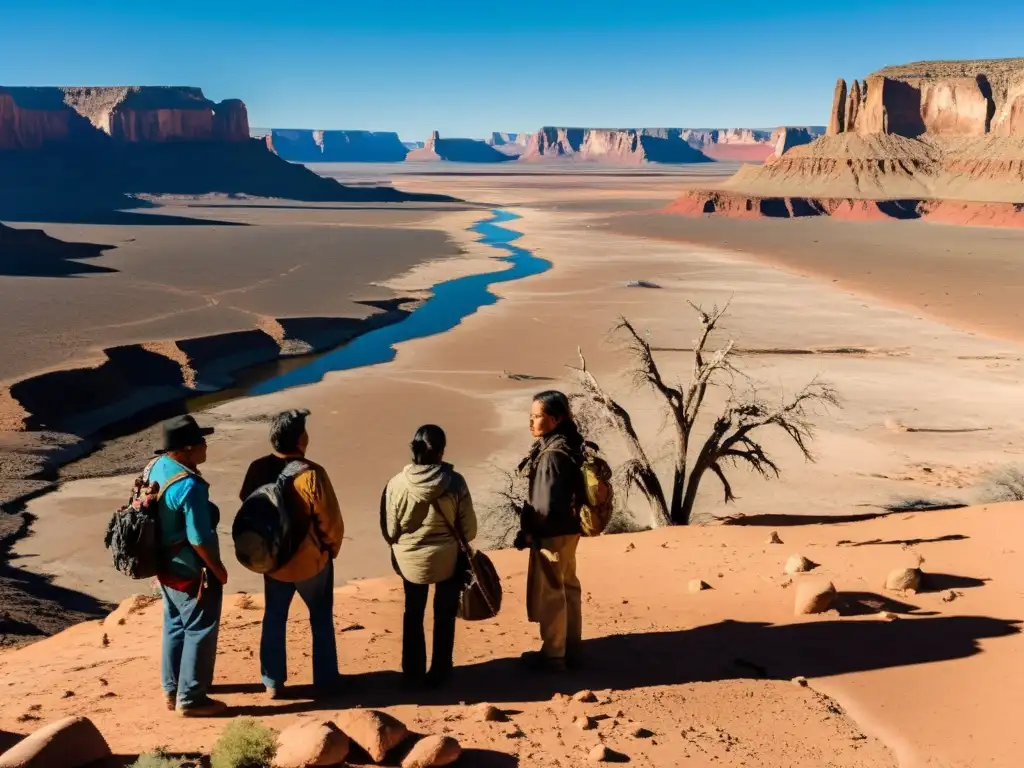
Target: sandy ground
column 970, row 277
column 929, row 412
column 934, row 682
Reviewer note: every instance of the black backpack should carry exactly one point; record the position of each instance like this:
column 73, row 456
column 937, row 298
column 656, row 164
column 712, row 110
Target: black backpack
column 265, row 533
column 133, row 533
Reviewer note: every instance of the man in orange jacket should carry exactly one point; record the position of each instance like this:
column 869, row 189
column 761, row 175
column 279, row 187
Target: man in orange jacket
column 311, row 500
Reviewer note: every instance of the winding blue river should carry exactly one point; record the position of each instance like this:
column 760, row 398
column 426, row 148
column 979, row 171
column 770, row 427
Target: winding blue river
column 450, row 303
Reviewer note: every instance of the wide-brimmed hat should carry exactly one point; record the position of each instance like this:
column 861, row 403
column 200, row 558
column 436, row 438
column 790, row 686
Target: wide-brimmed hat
column 183, row 432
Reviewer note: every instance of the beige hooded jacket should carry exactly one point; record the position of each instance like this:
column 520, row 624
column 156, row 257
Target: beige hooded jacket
column 424, row 548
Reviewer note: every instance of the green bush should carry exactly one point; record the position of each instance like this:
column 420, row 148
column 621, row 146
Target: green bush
column 245, row 743
column 158, row 758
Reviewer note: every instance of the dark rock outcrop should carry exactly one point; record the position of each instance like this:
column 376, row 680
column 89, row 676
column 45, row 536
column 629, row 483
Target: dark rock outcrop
column 309, row 146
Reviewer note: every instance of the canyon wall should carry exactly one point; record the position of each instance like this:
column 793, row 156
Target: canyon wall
column 35, row 117
column 613, row 146
column 935, row 99
column 457, row 151
column 311, row 146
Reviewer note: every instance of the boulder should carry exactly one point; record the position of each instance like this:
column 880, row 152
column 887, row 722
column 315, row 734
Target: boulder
column 904, row 580
column 432, row 751
column 837, row 117
column 697, row 585
column 797, row 564
column 311, row 743
column 584, row 722
column 813, row 597
column 377, row 733
column 69, row 743
column 600, row 754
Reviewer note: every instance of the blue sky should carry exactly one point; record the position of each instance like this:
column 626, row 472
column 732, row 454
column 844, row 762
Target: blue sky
column 468, row 69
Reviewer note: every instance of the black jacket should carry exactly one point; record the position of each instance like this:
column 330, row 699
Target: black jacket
column 554, row 473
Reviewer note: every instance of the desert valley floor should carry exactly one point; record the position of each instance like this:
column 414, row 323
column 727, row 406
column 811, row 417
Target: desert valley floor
column 917, row 325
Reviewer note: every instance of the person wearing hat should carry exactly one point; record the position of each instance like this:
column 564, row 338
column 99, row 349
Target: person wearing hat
column 193, row 577
column 313, row 505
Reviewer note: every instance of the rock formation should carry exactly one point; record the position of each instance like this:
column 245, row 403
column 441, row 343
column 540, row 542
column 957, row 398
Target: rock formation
column 457, row 151
column 513, row 144
column 79, row 153
column 310, row 146
column 785, row 137
column 937, row 140
column 614, row 146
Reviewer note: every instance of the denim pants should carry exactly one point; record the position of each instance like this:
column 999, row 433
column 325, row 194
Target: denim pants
column 447, row 595
column 318, row 595
column 191, row 625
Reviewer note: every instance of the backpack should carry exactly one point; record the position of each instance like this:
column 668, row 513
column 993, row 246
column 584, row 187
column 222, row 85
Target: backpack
column 265, row 533
column 133, row 533
column 596, row 506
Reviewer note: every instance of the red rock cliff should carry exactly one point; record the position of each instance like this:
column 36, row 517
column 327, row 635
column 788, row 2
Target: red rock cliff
column 35, row 117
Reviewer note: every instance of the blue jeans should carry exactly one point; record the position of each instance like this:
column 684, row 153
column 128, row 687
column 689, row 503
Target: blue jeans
column 318, row 595
column 190, row 642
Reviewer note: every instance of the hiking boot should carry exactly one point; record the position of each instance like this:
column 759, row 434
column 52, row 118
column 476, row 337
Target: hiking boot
column 274, row 692
column 536, row 661
column 171, row 700
column 205, row 708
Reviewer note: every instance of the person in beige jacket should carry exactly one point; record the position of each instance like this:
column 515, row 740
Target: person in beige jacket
column 421, row 508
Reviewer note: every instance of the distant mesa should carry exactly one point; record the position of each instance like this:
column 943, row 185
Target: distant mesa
column 614, row 146
column 413, row 144
column 941, row 140
column 81, row 153
column 313, row 146
column 744, row 144
column 457, row 151
column 513, row 144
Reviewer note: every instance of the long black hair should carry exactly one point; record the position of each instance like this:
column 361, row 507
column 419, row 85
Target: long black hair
column 428, row 444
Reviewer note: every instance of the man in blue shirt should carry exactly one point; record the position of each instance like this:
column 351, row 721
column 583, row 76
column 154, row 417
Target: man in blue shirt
column 192, row 576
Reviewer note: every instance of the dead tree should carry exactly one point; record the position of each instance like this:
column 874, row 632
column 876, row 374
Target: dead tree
column 731, row 442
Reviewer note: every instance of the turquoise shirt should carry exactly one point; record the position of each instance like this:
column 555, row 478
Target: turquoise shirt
column 187, row 517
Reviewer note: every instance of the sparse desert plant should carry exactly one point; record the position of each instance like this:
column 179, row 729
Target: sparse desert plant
column 158, row 758
column 1006, row 485
column 245, row 743
column 733, row 437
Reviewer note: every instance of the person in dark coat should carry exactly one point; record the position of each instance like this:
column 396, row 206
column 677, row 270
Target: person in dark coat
column 550, row 527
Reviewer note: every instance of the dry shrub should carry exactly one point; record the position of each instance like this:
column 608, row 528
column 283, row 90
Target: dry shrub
column 245, row 743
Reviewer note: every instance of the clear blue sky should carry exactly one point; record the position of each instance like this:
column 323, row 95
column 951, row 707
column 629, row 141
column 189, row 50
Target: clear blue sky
column 468, row 69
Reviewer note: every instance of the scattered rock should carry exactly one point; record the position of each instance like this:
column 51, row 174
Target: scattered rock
column 311, row 743
column 904, row 580
column 798, row 564
column 69, row 743
column 642, row 733
column 352, row 628
column 630, row 547
column 584, row 723
column 774, row 538
column 68, row 694
column 488, row 713
column 950, row 596
column 801, row 681
column 585, row 697
column 813, row 597
column 377, row 733
column 696, row 585
column 600, row 754
column 105, row 641
column 433, row 751
column 889, row 616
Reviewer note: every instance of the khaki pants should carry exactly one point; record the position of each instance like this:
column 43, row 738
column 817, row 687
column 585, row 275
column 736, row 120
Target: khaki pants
column 553, row 594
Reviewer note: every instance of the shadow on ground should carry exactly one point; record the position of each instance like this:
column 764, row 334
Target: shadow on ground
column 727, row 650
column 31, row 605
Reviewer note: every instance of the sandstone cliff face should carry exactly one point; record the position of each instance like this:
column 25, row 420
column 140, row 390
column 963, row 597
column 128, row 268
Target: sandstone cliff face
column 309, row 146
column 612, row 146
column 36, row 117
column 785, row 137
column 936, row 99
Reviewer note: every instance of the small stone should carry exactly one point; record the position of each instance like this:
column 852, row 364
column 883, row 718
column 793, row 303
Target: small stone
column 641, row 733
column 584, row 723
column 904, row 580
column 433, row 751
column 630, row 547
column 801, row 681
column 599, row 754
column 774, row 538
column 488, row 713
column 813, row 597
column 950, row 596
column 797, row 564
column 68, row 694
column 585, row 697
column 697, row 585
column 889, row 616
column 105, row 641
